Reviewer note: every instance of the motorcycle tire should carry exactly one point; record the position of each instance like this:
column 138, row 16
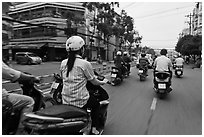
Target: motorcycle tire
column 57, row 96
column 103, row 119
column 161, row 95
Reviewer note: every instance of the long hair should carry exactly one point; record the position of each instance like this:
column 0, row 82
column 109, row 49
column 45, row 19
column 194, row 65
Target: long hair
column 71, row 59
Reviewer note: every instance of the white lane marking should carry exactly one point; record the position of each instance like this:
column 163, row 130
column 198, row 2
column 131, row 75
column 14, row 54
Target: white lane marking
column 154, row 102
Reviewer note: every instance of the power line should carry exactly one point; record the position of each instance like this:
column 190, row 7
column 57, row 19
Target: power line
column 162, row 12
column 162, row 16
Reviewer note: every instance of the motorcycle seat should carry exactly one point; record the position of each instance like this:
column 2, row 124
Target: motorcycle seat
column 63, row 111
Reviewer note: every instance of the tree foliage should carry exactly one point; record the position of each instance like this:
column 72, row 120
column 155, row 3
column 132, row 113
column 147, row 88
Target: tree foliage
column 108, row 21
column 189, row 45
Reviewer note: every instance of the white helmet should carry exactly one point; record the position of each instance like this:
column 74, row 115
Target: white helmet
column 125, row 53
column 119, row 53
column 74, row 43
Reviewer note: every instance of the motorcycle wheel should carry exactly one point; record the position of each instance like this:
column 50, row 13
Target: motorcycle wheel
column 103, row 119
column 57, row 97
column 161, row 95
column 142, row 78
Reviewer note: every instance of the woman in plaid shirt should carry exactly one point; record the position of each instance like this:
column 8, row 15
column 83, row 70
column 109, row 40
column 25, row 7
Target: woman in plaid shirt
column 76, row 72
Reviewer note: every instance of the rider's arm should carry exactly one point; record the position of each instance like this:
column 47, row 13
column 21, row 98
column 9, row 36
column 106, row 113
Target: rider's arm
column 155, row 63
column 170, row 65
column 89, row 73
column 9, row 73
column 15, row 75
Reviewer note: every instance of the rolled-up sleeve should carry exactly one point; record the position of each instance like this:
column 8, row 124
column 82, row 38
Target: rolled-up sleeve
column 9, row 73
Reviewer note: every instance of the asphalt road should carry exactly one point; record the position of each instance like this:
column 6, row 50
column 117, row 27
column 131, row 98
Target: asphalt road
column 135, row 110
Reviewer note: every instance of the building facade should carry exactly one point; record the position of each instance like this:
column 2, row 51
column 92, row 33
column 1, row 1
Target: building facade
column 45, row 27
column 197, row 19
column 6, row 31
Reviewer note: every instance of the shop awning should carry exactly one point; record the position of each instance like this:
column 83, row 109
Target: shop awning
column 56, row 45
column 24, row 46
column 8, row 46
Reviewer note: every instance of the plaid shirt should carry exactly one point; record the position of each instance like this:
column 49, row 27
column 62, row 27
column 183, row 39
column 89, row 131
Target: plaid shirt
column 74, row 90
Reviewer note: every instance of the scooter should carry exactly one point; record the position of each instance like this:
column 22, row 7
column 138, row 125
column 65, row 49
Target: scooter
column 127, row 72
column 11, row 117
column 115, row 78
column 161, row 84
column 174, row 65
column 142, row 73
column 179, row 71
column 64, row 119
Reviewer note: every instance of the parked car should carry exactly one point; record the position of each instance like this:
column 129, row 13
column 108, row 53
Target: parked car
column 27, row 58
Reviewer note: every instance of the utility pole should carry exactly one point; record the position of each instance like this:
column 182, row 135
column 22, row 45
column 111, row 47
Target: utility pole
column 189, row 22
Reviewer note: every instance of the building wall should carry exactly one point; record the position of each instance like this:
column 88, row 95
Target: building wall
column 197, row 19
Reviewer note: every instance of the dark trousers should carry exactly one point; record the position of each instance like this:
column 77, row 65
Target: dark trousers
column 128, row 66
column 94, row 105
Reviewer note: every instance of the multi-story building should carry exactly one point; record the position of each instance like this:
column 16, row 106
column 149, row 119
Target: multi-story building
column 6, row 30
column 42, row 27
column 48, row 36
column 197, row 19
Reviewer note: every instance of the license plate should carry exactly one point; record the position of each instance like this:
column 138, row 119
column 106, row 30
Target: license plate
column 54, row 85
column 179, row 72
column 140, row 71
column 162, row 86
column 113, row 75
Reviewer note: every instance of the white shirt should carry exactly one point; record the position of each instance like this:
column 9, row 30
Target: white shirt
column 74, row 90
column 179, row 61
column 162, row 63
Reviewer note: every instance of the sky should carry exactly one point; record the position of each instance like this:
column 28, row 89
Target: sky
column 159, row 23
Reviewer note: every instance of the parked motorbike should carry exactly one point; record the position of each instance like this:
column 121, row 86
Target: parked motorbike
column 66, row 119
column 142, row 73
column 179, row 71
column 11, row 117
column 161, row 84
column 115, row 78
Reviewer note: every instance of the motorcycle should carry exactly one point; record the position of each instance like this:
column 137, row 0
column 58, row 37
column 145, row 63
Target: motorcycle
column 161, row 84
column 11, row 117
column 174, row 65
column 127, row 68
column 64, row 119
column 179, row 71
column 142, row 73
column 115, row 78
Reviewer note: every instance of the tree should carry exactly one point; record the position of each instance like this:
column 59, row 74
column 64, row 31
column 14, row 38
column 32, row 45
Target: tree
column 189, row 45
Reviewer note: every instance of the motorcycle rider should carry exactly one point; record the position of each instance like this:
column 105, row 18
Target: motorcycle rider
column 20, row 102
column 127, row 60
column 118, row 61
column 143, row 63
column 163, row 64
column 75, row 72
column 179, row 61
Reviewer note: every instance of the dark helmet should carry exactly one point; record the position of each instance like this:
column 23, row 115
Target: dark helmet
column 143, row 54
column 163, row 52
